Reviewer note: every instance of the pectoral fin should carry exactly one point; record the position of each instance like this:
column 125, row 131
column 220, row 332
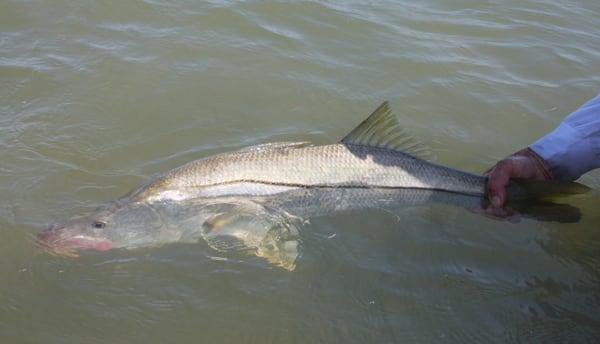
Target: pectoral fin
column 255, row 230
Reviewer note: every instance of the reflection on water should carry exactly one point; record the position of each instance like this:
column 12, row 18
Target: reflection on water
column 95, row 97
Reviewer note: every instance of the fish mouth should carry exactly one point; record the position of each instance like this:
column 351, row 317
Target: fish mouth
column 57, row 243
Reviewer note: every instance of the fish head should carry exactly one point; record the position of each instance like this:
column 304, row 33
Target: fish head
column 114, row 226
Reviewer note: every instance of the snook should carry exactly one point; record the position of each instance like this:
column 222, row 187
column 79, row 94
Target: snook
column 377, row 154
column 238, row 192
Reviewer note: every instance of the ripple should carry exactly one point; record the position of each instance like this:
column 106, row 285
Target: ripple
column 96, row 97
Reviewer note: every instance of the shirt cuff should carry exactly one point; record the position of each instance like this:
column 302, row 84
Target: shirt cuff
column 568, row 154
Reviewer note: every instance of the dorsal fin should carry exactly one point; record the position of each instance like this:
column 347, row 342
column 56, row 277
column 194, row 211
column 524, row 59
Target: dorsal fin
column 381, row 129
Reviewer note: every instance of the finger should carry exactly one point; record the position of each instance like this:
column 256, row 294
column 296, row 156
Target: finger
column 499, row 214
column 497, row 181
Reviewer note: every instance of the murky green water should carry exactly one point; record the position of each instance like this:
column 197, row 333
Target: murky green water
column 96, row 96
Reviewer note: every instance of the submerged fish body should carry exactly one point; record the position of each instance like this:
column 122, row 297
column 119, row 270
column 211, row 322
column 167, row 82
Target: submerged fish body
column 248, row 199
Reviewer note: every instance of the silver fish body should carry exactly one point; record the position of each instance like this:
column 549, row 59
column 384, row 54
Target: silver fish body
column 254, row 197
column 262, row 170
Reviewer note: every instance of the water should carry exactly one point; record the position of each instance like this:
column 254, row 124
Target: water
column 97, row 96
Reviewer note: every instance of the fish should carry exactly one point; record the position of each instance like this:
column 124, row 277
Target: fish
column 255, row 199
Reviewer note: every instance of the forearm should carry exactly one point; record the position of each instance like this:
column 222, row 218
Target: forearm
column 573, row 148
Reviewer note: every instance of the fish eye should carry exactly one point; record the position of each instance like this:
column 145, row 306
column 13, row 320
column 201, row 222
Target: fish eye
column 98, row 224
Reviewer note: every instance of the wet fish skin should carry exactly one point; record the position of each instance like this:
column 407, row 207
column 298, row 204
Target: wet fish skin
column 331, row 166
column 376, row 154
column 252, row 196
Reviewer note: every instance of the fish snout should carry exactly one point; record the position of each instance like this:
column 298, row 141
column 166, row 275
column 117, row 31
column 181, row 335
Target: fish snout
column 59, row 239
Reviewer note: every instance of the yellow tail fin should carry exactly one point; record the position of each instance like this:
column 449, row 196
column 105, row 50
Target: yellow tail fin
column 520, row 190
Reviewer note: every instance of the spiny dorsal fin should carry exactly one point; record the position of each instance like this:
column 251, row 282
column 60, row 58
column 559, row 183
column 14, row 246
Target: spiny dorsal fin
column 381, row 129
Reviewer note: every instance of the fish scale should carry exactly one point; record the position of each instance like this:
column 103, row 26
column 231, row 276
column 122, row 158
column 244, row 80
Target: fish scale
column 376, row 154
column 336, row 165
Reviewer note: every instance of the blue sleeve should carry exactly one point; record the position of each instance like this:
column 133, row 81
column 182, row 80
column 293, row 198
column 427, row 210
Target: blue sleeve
column 573, row 148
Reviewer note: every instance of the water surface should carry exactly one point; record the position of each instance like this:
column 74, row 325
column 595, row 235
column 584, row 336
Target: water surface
column 97, row 96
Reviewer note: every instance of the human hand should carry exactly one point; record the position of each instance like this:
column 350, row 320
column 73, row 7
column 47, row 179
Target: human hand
column 525, row 164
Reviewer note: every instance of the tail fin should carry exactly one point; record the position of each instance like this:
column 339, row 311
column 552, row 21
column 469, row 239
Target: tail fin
column 549, row 212
column 521, row 190
column 535, row 199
